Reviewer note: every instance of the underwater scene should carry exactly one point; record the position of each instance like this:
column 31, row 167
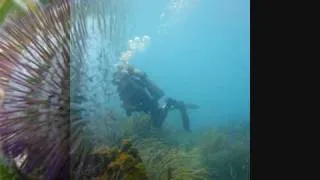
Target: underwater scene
column 124, row 89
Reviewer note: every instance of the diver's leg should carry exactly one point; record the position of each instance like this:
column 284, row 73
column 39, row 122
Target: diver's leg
column 158, row 116
column 127, row 109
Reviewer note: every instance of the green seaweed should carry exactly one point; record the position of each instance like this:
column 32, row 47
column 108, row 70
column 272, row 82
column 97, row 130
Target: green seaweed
column 5, row 8
column 226, row 157
column 7, row 173
column 165, row 161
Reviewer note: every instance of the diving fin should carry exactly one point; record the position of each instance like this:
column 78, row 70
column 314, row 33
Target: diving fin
column 192, row 106
column 185, row 118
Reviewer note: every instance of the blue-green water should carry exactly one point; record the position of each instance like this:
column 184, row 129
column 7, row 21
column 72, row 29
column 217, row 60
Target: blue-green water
column 204, row 58
column 197, row 52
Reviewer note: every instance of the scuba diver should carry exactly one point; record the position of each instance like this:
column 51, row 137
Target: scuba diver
column 140, row 94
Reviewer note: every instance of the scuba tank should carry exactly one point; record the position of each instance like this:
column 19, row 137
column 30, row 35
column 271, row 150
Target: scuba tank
column 142, row 79
column 151, row 89
column 155, row 91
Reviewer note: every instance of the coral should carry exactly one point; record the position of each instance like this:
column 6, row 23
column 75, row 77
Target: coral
column 120, row 163
column 127, row 164
column 176, row 155
column 159, row 153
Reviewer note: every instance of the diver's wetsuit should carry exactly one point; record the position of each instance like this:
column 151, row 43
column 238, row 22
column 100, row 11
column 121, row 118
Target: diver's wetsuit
column 138, row 93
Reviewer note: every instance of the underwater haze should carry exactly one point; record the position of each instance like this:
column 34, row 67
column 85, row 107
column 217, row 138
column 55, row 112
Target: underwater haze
column 199, row 53
column 57, row 85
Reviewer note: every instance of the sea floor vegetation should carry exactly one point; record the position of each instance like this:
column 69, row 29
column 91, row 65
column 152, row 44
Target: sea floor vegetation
column 44, row 126
column 141, row 152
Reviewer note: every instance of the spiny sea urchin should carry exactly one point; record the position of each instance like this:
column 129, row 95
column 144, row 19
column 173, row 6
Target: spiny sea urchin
column 36, row 118
column 43, row 64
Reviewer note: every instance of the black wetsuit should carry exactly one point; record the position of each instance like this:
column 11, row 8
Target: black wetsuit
column 138, row 93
